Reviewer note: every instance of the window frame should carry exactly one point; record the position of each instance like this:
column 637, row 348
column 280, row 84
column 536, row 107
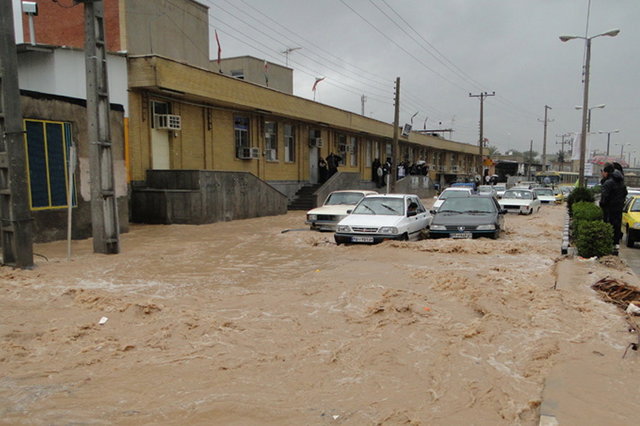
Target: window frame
column 289, row 143
column 47, row 154
column 271, row 139
column 241, row 135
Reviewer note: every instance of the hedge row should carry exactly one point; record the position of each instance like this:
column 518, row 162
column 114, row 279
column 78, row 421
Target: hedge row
column 591, row 235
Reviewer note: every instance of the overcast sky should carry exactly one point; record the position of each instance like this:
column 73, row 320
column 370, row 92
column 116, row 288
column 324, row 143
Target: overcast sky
column 442, row 50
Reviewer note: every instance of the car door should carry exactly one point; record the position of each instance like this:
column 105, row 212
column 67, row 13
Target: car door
column 420, row 220
column 626, row 217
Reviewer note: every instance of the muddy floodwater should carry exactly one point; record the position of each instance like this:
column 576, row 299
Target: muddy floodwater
column 240, row 323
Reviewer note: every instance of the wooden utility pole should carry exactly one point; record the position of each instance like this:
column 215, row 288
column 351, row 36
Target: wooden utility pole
column 396, row 125
column 544, row 140
column 15, row 213
column 482, row 95
column 104, row 208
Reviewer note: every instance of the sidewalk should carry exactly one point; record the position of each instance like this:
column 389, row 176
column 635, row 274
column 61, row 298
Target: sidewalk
column 631, row 256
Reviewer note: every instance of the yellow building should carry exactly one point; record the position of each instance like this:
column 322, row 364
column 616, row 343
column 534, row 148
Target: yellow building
column 184, row 117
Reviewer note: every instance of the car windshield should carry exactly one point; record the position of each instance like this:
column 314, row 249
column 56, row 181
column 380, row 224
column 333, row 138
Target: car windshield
column 485, row 188
column 636, row 206
column 544, row 191
column 380, row 205
column 448, row 194
column 351, row 198
column 500, row 188
column 520, row 195
column 468, row 205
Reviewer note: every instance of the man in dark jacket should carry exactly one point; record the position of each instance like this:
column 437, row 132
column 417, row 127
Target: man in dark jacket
column 612, row 197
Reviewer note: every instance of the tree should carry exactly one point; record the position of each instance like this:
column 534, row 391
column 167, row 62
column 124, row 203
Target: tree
column 493, row 150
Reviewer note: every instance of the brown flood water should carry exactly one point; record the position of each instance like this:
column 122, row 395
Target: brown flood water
column 239, row 323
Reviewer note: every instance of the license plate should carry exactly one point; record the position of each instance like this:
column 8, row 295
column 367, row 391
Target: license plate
column 364, row 239
column 462, row 235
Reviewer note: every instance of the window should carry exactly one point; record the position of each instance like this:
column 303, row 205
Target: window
column 47, row 145
column 289, row 144
column 271, row 140
column 342, row 149
column 159, row 108
column 353, row 149
column 241, row 131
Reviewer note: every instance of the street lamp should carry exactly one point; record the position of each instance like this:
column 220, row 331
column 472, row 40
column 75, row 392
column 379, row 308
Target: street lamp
column 589, row 114
column 585, row 98
column 622, row 145
column 609, row 137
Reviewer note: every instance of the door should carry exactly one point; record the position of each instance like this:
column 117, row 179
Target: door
column 313, row 164
column 160, row 147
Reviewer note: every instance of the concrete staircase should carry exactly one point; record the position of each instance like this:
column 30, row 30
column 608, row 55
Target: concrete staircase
column 304, row 198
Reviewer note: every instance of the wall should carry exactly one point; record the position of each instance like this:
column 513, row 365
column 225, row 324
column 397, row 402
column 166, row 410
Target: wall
column 197, row 197
column 177, row 29
column 49, row 225
column 280, row 77
column 48, row 71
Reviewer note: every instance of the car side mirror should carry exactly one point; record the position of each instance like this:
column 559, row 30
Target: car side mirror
column 432, row 211
column 503, row 211
column 349, row 211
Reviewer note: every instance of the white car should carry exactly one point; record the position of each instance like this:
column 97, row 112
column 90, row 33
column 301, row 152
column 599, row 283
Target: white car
column 384, row 217
column 545, row 195
column 520, row 200
column 456, row 191
column 334, row 209
column 499, row 188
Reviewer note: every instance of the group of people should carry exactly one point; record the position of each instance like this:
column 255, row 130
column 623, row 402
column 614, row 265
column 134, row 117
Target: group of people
column 328, row 167
column 612, row 198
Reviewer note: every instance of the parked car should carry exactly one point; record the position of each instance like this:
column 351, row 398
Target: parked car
column 456, row 191
column 523, row 201
column 631, row 220
column 545, row 195
column 487, row 190
column 468, row 217
column 384, row 217
column 334, row 209
column 500, row 188
column 631, row 192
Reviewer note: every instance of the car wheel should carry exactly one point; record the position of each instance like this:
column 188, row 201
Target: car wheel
column 405, row 237
column 495, row 235
column 630, row 240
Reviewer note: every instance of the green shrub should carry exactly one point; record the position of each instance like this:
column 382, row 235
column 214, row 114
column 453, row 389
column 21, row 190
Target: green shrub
column 579, row 194
column 594, row 238
column 583, row 211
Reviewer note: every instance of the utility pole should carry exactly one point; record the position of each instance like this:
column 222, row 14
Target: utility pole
column 544, row 140
column 396, row 125
column 482, row 95
column 104, row 208
column 530, row 158
column 363, row 99
column 562, row 143
column 15, row 214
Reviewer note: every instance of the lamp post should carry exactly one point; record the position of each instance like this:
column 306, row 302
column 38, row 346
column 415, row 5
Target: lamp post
column 622, row 149
column 609, row 137
column 585, row 99
column 589, row 114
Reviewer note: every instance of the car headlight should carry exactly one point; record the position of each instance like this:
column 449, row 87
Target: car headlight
column 636, row 225
column 438, row 228
column 312, row 217
column 388, row 230
column 343, row 228
column 490, row 227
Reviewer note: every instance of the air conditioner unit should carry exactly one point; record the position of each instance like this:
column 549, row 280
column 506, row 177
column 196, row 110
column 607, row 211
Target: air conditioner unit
column 167, row 122
column 441, row 168
column 246, row 153
column 454, row 169
column 271, row 154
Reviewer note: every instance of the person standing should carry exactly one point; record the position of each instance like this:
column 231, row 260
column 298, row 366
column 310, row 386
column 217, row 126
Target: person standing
column 322, row 168
column 612, row 197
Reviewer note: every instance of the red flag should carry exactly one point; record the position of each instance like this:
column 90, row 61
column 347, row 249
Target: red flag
column 318, row 80
column 266, row 72
column 219, row 48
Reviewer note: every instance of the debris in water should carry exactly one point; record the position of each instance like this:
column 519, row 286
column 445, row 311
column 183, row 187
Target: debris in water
column 103, row 320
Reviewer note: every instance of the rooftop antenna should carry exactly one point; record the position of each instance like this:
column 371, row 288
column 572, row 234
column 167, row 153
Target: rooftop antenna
column 286, row 53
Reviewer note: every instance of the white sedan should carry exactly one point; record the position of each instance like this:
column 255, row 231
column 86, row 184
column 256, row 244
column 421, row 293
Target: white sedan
column 523, row 201
column 334, row 209
column 384, row 217
column 545, row 195
column 455, row 191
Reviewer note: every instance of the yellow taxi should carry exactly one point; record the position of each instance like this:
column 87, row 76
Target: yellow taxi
column 631, row 220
